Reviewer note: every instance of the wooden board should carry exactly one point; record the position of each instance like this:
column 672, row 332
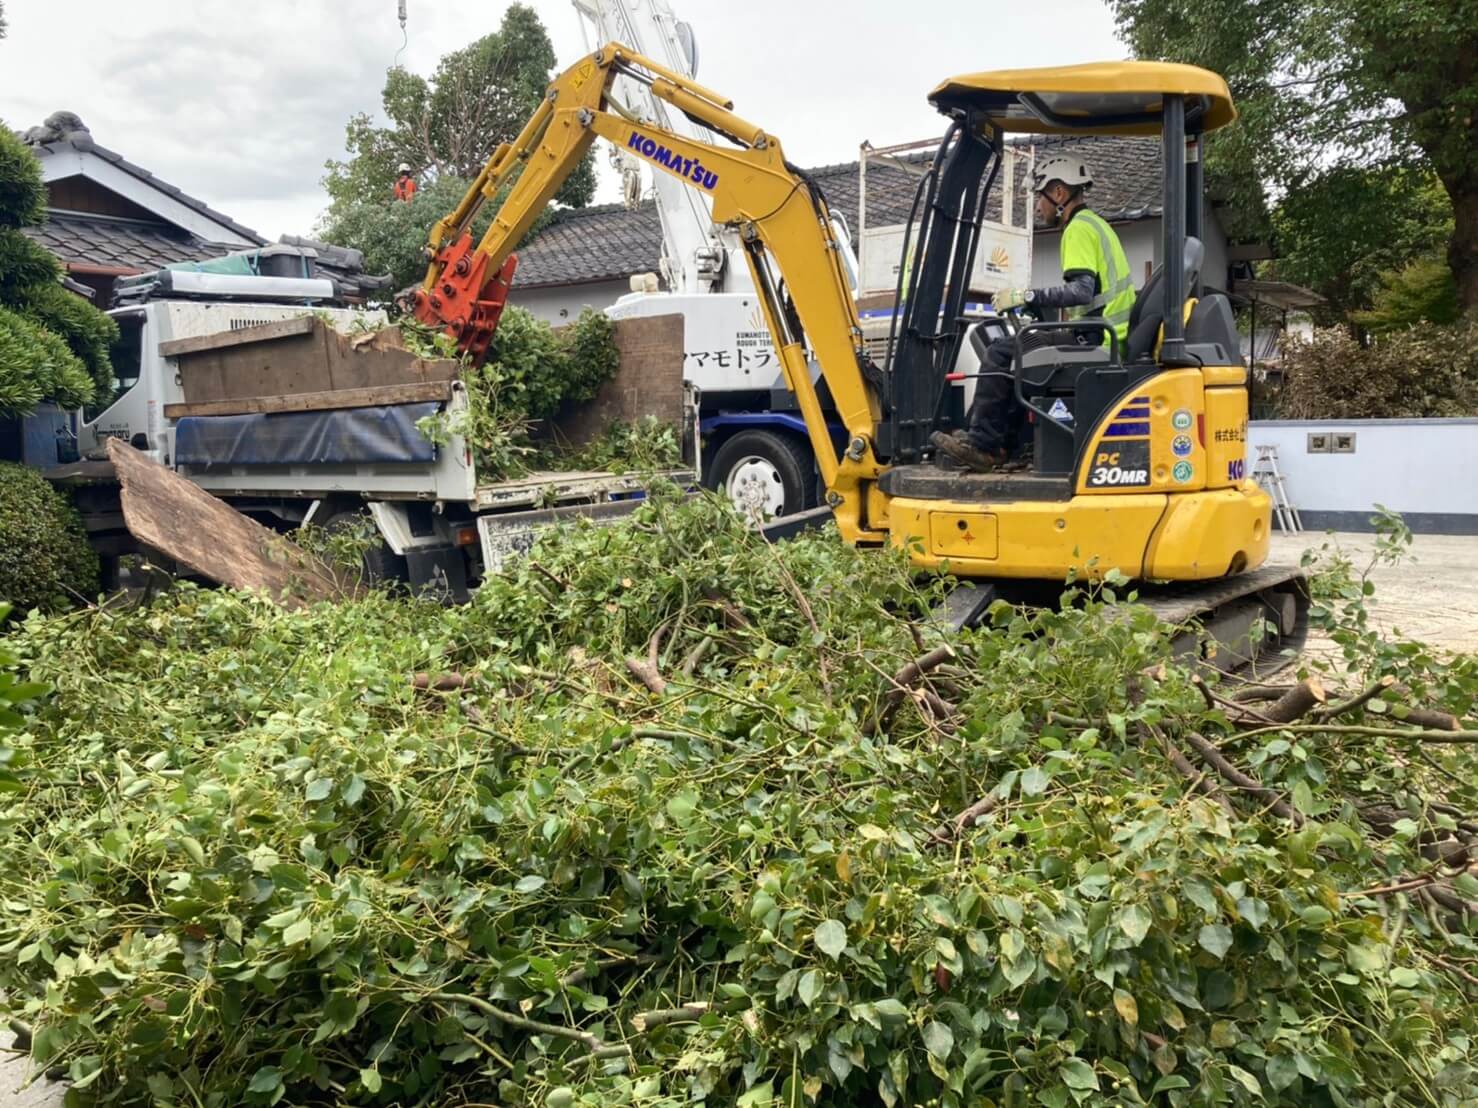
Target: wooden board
column 372, row 397
column 318, row 359
column 242, row 336
column 648, row 382
column 184, row 522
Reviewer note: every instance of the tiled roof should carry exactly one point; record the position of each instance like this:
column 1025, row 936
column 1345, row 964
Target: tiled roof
column 603, row 243
column 103, row 240
column 82, row 141
column 611, row 242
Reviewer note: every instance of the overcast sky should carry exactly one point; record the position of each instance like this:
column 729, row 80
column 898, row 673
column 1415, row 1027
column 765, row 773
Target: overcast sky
column 240, row 103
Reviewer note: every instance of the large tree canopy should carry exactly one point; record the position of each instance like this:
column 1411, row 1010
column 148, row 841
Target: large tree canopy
column 445, row 127
column 1335, row 86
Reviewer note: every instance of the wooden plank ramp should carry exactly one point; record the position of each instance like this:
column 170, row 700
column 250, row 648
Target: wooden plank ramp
column 209, row 537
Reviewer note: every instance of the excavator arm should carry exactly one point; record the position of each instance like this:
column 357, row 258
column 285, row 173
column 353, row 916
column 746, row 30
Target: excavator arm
column 782, row 220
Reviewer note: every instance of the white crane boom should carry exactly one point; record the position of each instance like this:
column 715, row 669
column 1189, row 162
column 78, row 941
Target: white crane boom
column 696, row 253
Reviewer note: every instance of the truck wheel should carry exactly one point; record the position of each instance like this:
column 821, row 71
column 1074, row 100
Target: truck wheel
column 763, row 474
column 381, row 564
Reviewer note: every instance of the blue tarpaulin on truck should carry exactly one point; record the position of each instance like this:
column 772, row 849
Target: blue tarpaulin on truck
column 345, row 437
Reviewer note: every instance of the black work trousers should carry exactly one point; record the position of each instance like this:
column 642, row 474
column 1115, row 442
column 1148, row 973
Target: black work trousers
column 997, row 420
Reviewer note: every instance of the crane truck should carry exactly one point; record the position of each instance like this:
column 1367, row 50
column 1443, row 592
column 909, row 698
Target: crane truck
column 1140, row 446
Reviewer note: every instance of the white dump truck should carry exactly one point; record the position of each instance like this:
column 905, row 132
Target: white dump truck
column 296, row 412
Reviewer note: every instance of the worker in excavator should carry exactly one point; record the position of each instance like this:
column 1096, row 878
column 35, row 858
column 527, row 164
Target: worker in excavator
column 1096, row 284
column 405, row 184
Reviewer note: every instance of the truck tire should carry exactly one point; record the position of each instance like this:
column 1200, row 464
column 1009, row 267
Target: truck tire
column 764, row 474
column 382, row 566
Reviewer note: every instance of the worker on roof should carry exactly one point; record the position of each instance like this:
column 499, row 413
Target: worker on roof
column 405, row 184
column 1096, row 284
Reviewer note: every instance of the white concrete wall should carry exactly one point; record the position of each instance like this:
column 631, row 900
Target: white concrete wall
column 561, row 304
column 1426, row 469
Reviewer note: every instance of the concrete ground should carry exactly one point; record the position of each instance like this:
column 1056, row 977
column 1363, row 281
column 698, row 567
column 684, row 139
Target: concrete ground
column 1431, row 595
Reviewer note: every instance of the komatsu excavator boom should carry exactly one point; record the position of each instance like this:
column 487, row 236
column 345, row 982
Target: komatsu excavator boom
column 1140, row 445
column 782, row 220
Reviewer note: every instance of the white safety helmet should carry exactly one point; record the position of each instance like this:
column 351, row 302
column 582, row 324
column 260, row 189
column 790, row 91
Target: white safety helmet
column 404, row 168
column 1072, row 172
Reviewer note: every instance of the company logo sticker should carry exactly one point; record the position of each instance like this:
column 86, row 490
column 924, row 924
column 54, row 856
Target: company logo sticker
column 1181, row 420
column 1183, row 472
column 691, row 168
column 1059, row 411
column 1180, row 446
column 1236, row 469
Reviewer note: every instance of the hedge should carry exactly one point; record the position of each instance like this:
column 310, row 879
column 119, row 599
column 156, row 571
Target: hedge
column 45, row 561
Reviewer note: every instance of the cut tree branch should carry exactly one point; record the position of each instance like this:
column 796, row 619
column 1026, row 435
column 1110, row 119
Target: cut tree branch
column 597, row 1046
column 1213, row 756
column 649, row 672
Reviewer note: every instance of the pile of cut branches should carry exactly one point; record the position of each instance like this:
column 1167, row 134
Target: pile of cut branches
column 532, row 371
column 668, row 815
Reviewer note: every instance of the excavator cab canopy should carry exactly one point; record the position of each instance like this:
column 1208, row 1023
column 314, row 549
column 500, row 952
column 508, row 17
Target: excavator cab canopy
column 1117, row 98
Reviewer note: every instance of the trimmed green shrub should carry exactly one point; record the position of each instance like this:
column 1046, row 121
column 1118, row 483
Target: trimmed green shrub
column 89, row 332
column 23, row 265
column 37, row 365
column 45, row 561
column 22, row 191
column 1423, row 371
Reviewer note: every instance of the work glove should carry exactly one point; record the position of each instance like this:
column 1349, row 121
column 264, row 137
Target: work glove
column 1007, row 299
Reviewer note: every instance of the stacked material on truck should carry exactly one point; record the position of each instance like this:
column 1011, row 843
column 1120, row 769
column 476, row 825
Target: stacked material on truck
column 299, row 392
column 296, row 269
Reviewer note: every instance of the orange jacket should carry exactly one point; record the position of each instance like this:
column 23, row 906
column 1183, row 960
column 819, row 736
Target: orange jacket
column 405, row 188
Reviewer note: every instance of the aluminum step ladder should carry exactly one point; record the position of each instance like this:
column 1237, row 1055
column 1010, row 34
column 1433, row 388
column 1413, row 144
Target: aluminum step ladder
column 1267, row 474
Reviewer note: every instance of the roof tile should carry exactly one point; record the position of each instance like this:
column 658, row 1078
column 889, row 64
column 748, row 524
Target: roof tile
column 611, row 242
column 98, row 240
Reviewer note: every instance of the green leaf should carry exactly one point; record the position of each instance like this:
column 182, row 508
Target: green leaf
column 1282, row 1071
column 891, row 1009
column 758, row 1097
column 1215, row 939
column 1077, row 1074
column 297, row 932
column 831, row 937
column 319, row 789
column 939, row 1040
column 530, row 884
column 1135, row 920
column 1246, row 1080
column 809, row 987
column 682, row 806
column 268, row 1079
column 370, row 1079
column 1034, row 781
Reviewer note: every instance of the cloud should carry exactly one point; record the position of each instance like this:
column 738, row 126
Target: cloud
column 240, row 104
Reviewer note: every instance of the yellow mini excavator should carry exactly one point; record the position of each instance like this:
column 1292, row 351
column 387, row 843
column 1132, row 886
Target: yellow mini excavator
column 1140, row 446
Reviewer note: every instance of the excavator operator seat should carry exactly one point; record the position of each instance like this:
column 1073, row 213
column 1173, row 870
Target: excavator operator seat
column 1067, row 377
column 1148, row 312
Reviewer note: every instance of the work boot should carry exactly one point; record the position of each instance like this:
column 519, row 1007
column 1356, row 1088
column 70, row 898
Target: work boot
column 958, row 447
